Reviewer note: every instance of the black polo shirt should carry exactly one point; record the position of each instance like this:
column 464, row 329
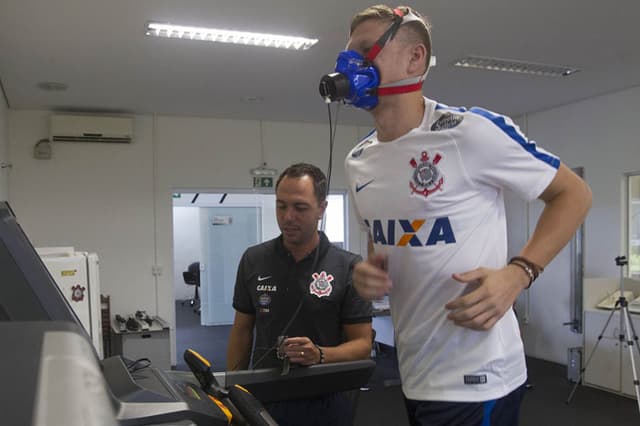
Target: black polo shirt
column 270, row 285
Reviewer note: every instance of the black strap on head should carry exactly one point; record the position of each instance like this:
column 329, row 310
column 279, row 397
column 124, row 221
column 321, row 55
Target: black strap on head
column 388, row 35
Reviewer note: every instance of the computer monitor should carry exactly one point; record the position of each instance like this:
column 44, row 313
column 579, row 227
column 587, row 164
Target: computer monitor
column 269, row 385
column 28, row 292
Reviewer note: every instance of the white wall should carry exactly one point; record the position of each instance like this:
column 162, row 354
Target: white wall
column 95, row 197
column 601, row 135
column 4, row 134
column 116, row 199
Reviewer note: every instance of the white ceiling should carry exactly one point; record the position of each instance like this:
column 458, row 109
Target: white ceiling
column 99, row 49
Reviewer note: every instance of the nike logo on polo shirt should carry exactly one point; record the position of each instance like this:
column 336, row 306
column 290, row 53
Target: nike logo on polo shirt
column 260, row 278
column 364, row 185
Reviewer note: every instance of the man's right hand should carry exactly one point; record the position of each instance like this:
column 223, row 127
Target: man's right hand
column 370, row 277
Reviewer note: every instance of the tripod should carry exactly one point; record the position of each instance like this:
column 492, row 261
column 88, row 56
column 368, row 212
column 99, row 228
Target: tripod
column 625, row 324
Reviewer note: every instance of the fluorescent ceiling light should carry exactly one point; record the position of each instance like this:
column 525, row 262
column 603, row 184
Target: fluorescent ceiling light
column 508, row 65
column 225, row 36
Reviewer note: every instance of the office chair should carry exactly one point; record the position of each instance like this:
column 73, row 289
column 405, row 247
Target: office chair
column 192, row 277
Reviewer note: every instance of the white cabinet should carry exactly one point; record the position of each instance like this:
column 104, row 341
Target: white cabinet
column 604, row 367
column 610, row 366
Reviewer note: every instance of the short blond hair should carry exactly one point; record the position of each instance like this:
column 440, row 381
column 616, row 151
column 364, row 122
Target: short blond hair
column 418, row 31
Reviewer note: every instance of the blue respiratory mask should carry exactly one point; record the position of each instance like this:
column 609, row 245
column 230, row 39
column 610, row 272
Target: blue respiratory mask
column 356, row 81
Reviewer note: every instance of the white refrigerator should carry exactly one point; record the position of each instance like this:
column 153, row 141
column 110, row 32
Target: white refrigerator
column 77, row 276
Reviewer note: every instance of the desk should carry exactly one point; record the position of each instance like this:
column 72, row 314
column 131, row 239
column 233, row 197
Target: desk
column 153, row 343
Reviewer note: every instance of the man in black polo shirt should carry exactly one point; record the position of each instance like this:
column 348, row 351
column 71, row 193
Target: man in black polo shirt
column 299, row 275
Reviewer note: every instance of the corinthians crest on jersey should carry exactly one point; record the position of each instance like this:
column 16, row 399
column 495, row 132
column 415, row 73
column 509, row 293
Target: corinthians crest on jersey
column 321, row 284
column 426, row 177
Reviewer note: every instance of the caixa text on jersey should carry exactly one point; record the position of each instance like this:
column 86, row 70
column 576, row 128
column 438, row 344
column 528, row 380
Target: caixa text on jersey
column 409, row 232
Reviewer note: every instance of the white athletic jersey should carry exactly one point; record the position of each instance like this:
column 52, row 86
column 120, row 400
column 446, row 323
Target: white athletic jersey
column 433, row 201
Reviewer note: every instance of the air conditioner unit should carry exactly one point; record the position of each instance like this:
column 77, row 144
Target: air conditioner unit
column 91, row 128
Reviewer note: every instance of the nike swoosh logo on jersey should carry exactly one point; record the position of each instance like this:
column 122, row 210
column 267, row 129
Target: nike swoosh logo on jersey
column 263, row 278
column 363, row 186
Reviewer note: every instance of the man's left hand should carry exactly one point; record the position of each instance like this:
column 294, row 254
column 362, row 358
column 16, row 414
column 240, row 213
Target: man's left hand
column 301, row 350
column 497, row 290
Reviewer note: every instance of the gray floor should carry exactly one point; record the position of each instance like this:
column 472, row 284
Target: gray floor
column 210, row 342
column 544, row 404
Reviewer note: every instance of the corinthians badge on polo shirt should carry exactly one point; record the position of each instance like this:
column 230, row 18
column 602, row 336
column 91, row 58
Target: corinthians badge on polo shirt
column 321, row 284
column 426, row 176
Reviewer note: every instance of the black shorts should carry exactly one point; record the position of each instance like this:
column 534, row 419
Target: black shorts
column 498, row 412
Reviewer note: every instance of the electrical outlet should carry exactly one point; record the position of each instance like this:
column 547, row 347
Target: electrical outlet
column 156, row 270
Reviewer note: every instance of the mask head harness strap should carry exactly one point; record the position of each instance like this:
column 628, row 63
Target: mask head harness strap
column 403, row 86
column 387, row 36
